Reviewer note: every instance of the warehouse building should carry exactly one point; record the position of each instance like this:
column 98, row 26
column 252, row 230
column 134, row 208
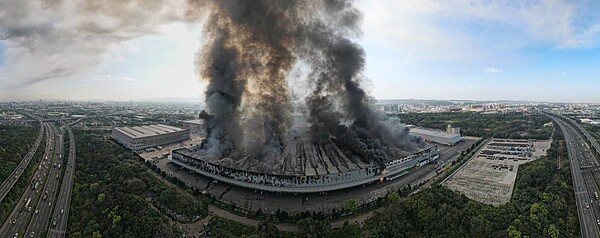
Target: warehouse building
column 141, row 137
column 195, row 126
column 439, row 137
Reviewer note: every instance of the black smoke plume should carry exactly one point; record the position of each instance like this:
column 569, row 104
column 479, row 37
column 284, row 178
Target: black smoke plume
column 252, row 47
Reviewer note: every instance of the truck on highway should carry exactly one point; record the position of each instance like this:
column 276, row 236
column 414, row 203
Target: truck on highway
column 596, row 194
column 27, row 202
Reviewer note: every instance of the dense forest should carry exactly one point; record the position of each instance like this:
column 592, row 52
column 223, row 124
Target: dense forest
column 15, row 142
column 515, row 125
column 541, row 207
column 116, row 196
column 13, row 148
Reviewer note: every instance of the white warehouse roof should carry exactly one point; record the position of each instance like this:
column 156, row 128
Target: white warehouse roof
column 439, row 134
column 195, row 122
column 147, row 131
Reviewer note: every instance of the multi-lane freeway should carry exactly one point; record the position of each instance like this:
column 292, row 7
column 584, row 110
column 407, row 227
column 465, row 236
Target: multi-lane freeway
column 584, row 183
column 8, row 184
column 18, row 219
column 61, row 211
column 43, row 210
column 595, row 146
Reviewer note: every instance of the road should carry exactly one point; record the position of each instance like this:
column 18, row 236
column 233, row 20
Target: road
column 8, row 184
column 584, row 183
column 590, row 139
column 43, row 210
column 61, row 211
column 19, row 217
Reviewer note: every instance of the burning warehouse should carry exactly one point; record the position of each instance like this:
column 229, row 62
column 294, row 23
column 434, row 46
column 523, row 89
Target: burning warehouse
column 252, row 50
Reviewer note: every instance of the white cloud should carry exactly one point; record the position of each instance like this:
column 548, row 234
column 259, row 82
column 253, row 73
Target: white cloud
column 68, row 39
column 491, row 70
column 107, row 78
column 465, row 29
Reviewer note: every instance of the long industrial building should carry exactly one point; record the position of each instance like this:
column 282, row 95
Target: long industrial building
column 303, row 168
column 195, row 126
column 439, row 137
column 141, row 137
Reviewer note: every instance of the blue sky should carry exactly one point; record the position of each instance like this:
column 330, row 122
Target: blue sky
column 424, row 49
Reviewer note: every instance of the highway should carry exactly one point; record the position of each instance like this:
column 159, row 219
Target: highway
column 594, row 143
column 584, row 183
column 43, row 210
column 11, row 180
column 60, row 216
column 18, row 219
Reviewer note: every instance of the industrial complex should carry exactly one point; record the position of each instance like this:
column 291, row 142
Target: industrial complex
column 449, row 137
column 303, row 168
column 195, row 126
column 141, row 137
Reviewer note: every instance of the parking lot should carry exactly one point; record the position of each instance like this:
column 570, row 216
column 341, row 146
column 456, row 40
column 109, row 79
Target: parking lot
column 490, row 177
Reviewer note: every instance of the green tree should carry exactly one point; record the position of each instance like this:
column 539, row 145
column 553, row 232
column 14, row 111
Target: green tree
column 101, row 197
column 552, row 231
column 115, row 220
column 314, row 229
column 513, row 232
column 393, row 197
column 351, row 205
column 96, row 234
column 94, row 186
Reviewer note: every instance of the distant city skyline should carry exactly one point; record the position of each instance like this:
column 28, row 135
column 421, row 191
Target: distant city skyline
column 461, row 50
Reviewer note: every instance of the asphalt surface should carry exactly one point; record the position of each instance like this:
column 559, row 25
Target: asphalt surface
column 594, row 144
column 43, row 210
column 584, row 183
column 8, row 184
column 18, row 219
column 60, row 216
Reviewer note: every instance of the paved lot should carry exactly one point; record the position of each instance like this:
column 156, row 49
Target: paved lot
column 156, row 154
column 491, row 181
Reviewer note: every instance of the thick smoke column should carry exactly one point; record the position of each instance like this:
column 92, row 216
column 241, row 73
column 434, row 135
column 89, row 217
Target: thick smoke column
column 252, row 47
column 249, row 55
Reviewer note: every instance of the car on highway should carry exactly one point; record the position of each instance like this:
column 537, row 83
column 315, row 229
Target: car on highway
column 16, row 235
column 49, row 204
column 54, row 222
column 62, row 211
column 598, row 221
column 32, row 234
column 37, row 211
column 587, row 205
